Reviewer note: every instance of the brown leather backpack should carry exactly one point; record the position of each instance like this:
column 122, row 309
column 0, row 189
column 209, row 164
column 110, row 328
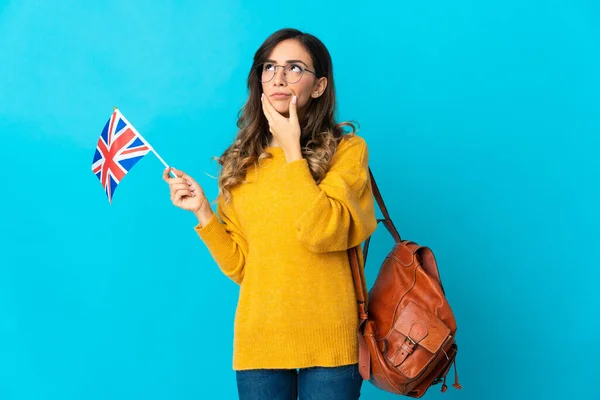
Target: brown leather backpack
column 407, row 329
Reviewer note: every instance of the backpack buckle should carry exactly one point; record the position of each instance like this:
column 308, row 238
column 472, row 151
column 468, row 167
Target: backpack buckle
column 411, row 340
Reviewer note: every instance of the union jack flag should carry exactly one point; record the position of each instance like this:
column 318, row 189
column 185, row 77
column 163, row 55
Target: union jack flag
column 119, row 148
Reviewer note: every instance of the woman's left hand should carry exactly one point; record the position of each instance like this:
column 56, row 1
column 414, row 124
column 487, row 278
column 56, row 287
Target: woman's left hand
column 285, row 130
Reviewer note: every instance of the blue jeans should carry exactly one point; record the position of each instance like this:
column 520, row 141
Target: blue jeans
column 316, row 383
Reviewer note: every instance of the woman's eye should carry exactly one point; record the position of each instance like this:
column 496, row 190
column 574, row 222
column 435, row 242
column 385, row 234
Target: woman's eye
column 295, row 68
column 268, row 67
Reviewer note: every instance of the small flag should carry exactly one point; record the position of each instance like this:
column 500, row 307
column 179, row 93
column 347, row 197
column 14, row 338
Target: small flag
column 119, row 148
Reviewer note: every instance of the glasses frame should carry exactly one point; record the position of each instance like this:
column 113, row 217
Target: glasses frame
column 259, row 68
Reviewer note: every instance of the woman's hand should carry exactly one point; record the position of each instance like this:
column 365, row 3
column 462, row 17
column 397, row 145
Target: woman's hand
column 285, row 130
column 185, row 192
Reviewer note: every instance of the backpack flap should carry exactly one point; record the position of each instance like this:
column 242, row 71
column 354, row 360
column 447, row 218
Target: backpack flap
column 423, row 335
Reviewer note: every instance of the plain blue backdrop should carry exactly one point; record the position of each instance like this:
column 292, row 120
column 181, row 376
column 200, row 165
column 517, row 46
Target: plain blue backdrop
column 482, row 120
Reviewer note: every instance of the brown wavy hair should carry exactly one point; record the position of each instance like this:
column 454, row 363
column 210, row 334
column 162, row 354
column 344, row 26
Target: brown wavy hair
column 320, row 133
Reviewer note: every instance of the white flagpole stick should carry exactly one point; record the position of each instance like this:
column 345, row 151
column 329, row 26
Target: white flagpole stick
column 161, row 160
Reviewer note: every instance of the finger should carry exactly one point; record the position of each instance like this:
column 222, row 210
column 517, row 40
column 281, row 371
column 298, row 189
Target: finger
column 184, row 178
column 180, row 174
column 294, row 109
column 179, row 186
column 182, row 193
column 177, row 181
column 178, row 197
column 194, row 186
column 191, row 182
column 166, row 176
column 265, row 110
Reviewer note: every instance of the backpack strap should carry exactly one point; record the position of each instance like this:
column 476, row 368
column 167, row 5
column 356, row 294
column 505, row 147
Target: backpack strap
column 364, row 354
column 387, row 220
column 359, row 285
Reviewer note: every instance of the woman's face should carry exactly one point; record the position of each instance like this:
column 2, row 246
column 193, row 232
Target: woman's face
column 278, row 90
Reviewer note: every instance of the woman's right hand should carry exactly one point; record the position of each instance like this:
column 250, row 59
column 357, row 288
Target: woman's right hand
column 185, row 191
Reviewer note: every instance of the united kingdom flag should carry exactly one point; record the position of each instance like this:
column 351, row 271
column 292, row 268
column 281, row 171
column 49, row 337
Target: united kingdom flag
column 119, row 148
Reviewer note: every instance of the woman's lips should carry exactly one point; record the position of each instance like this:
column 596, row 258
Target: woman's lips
column 280, row 96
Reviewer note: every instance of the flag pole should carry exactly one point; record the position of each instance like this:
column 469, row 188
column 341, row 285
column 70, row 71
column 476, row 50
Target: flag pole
column 149, row 145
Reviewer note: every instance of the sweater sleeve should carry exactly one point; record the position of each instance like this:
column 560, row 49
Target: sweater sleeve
column 339, row 212
column 225, row 241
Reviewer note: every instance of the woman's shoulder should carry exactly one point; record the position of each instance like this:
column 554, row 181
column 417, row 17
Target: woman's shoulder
column 351, row 146
column 352, row 139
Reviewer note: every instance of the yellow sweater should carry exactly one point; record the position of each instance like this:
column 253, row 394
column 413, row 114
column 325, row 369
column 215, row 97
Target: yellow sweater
column 284, row 240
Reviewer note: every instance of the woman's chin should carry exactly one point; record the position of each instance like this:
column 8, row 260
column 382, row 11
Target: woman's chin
column 283, row 109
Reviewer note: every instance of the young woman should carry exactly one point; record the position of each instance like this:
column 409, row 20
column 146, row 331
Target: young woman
column 294, row 195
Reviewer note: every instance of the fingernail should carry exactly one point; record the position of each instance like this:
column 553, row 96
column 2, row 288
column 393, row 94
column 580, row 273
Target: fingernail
column 262, row 95
column 294, row 99
column 189, row 182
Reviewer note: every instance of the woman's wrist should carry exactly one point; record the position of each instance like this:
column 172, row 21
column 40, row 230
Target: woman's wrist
column 293, row 154
column 204, row 213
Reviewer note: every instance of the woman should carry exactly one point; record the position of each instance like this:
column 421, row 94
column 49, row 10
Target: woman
column 294, row 195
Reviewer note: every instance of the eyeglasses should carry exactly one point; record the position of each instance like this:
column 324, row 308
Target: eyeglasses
column 292, row 73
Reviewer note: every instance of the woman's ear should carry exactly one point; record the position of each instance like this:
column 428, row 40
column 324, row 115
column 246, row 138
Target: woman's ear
column 319, row 87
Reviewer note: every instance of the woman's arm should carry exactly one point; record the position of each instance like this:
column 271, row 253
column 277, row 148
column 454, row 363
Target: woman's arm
column 225, row 241
column 339, row 213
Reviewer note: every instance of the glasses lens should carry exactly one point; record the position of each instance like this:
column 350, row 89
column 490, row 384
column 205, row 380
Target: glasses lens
column 265, row 72
column 293, row 73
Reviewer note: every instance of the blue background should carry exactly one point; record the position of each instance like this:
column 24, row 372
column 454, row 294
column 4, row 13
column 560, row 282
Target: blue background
column 482, row 120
